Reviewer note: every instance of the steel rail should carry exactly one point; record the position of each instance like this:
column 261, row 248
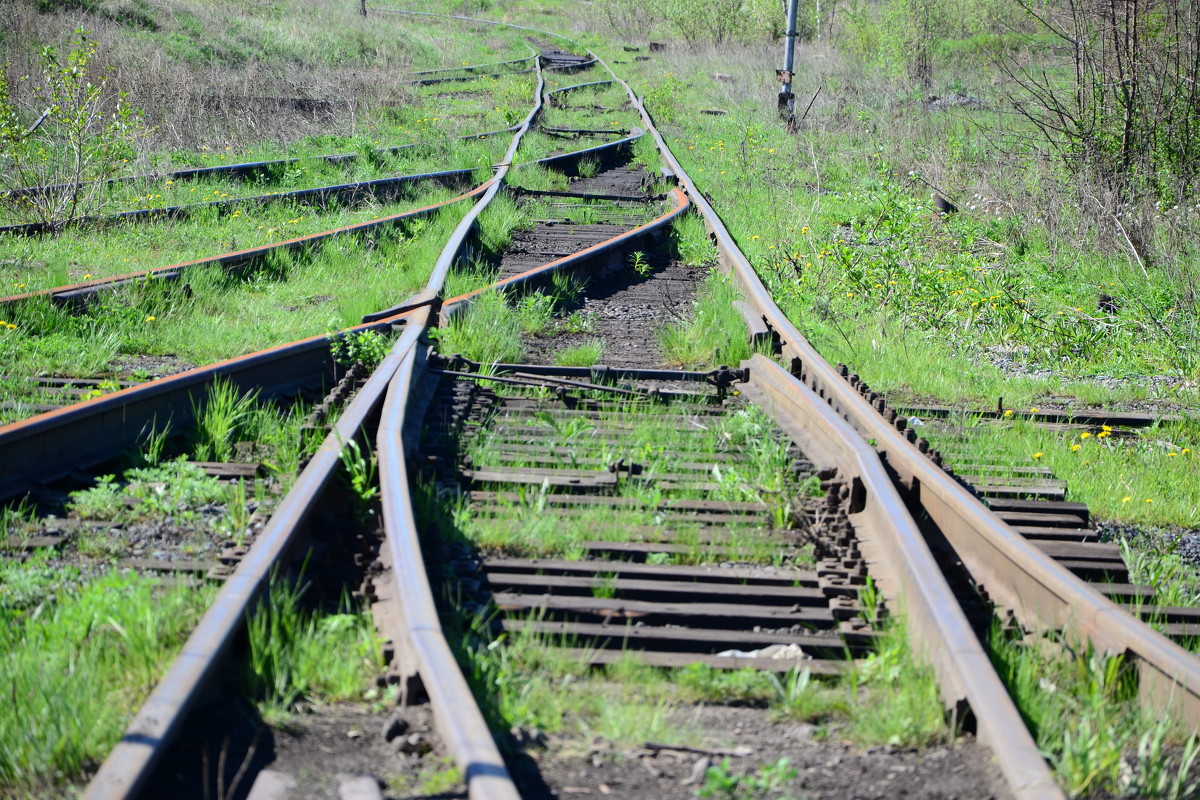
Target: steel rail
column 450, row 306
column 907, row 573
column 463, row 78
column 246, row 256
column 1012, row 571
column 473, row 67
column 129, row 764
column 460, row 722
column 240, row 257
column 318, row 193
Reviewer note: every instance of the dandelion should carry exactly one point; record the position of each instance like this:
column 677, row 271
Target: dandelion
column 755, row 236
column 1126, row 499
column 1084, row 435
column 1148, row 500
column 1103, row 434
column 1187, row 450
column 1074, row 448
column 88, row 275
column 1008, row 412
column 11, row 327
column 1106, row 429
column 150, row 318
column 1172, row 455
column 1038, row 455
column 1033, row 411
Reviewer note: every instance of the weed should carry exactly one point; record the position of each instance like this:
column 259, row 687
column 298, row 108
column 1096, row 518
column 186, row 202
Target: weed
column 368, row 348
column 722, row 783
column 360, row 472
column 640, row 265
column 298, row 655
column 488, row 332
column 588, row 167
column 583, row 355
column 219, row 419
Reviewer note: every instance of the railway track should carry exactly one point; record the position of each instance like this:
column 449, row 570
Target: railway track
column 524, row 444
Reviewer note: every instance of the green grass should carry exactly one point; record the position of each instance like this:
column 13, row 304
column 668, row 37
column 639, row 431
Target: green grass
column 584, row 355
column 716, row 332
column 300, row 655
column 1083, row 711
column 79, row 668
column 1147, row 478
column 487, row 332
column 212, row 315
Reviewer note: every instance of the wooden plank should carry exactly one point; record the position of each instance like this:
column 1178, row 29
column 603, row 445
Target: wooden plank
column 668, row 659
column 636, row 587
column 786, row 575
column 694, row 638
column 612, row 608
column 712, row 551
column 669, row 504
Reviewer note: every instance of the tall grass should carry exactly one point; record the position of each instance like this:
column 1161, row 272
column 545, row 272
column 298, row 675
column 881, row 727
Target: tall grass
column 75, row 671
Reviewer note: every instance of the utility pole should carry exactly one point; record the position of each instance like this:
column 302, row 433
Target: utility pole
column 787, row 100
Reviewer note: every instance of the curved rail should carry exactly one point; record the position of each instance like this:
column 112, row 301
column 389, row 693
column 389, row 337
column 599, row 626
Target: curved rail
column 1015, row 573
column 129, row 764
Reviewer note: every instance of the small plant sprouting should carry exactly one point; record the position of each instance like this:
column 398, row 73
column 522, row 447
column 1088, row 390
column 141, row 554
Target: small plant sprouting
column 721, row 782
column 640, row 264
column 588, row 167
column 360, row 472
column 368, row 348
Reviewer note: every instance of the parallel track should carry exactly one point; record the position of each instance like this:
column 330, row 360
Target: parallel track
column 828, row 418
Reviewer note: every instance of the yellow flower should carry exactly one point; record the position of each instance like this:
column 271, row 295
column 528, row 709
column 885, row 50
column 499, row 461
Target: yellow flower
column 1148, row 500
column 1103, row 435
column 150, row 319
column 11, row 327
column 1187, row 450
column 1084, row 435
column 1172, row 455
column 1126, row 499
column 1106, row 429
column 1033, row 411
column 88, row 275
column 804, row 229
column 1037, row 455
column 1008, row 412
column 754, row 237
column 1074, row 448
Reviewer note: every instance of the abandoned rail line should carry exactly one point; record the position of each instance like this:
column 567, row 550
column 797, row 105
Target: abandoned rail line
column 730, row 517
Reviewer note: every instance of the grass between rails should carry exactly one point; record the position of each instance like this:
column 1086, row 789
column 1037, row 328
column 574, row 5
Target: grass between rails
column 660, row 446
column 32, row 263
column 1147, row 477
column 301, row 655
column 77, row 669
column 212, row 314
column 1083, row 711
column 523, row 681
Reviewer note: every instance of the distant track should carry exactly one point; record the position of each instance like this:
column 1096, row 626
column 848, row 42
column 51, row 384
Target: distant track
column 828, row 415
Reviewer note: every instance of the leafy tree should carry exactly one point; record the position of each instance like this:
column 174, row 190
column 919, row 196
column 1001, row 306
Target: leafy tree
column 54, row 168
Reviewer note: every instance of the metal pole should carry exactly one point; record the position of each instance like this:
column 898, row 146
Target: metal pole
column 787, row 100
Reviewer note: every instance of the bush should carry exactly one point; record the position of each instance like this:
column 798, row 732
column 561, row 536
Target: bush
column 83, row 137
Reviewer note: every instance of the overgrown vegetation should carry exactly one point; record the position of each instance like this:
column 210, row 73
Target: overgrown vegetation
column 77, row 666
